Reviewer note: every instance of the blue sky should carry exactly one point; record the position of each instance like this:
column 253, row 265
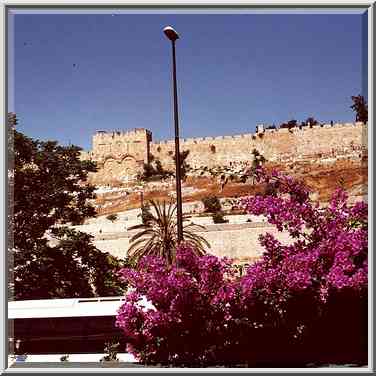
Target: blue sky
column 75, row 74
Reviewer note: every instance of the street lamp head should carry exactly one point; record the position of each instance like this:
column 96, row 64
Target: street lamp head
column 171, row 33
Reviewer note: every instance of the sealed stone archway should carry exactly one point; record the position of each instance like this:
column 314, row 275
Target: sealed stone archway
column 129, row 168
column 123, row 169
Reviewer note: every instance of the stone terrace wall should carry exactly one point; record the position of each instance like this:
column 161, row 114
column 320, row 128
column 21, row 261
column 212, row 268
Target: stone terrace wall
column 225, row 240
column 275, row 145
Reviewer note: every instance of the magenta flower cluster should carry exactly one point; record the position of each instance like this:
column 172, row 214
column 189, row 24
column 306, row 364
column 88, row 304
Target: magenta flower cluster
column 200, row 311
column 329, row 251
column 182, row 298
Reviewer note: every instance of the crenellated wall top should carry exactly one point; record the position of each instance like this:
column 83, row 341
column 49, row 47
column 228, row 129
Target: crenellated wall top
column 271, row 134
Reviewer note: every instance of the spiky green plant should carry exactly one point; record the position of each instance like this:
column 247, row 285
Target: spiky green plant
column 158, row 234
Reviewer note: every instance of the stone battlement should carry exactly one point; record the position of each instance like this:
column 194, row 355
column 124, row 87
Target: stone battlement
column 120, row 132
column 275, row 131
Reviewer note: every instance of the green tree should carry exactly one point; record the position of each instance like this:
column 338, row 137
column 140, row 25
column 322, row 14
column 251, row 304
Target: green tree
column 311, row 121
column 158, row 235
column 148, row 172
column 49, row 185
column 290, row 124
column 360, row 108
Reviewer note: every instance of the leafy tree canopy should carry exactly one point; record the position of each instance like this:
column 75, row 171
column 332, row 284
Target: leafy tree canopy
column 311, row 121
column 360, row 108
column 49, row 186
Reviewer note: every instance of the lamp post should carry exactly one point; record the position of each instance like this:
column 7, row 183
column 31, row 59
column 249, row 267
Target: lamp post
column 172, row 35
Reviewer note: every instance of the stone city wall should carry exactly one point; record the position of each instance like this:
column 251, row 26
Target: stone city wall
column 121, row 155
column 274, row 145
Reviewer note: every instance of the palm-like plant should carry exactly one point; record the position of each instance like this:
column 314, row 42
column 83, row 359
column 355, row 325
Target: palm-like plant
column 158, row 234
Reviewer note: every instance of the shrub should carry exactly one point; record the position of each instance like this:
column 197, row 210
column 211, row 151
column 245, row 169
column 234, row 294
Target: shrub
column 112, row 217
column 218, row 217
column 154, row 172
column 286, row 310
column 111, row 351
column 211, row 204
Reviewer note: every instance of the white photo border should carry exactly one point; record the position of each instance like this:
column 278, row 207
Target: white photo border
column 172, row 6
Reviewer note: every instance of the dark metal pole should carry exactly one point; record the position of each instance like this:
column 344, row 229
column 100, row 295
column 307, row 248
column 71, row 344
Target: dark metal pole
column 177, row 151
